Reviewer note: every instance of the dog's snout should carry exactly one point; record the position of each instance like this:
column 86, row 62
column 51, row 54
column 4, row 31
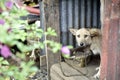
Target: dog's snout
column 81, row 44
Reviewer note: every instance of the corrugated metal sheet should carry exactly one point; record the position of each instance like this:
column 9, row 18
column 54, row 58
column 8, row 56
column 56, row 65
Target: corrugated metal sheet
column 78, row 14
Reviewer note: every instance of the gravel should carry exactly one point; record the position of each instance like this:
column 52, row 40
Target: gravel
column 40, row 75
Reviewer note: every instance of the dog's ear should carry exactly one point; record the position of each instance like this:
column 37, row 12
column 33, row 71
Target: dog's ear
column 95, row 32
column 73, row 31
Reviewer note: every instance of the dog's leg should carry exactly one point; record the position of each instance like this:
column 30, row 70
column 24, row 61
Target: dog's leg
column 97, row 76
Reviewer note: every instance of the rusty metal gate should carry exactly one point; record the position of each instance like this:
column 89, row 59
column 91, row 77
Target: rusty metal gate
column 78, row 14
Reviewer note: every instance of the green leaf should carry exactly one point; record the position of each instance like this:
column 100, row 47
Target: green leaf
column 70, row 47
column 10, row 73
column 23, row 38
column 66, row 56
column 55, row 50
column 39, row 30
column 41, row 45
column 5, row 62
column 1, row 58
column 33, row 69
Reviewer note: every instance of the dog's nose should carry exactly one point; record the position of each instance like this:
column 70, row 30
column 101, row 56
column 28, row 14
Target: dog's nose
column 81, row 44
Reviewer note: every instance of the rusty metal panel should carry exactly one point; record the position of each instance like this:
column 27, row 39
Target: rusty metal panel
column 110, row 60
column 78, row 14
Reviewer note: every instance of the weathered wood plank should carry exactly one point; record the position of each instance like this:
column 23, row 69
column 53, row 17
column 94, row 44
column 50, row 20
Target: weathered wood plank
column 51, row 13
column 42, row 24
column 43, row 61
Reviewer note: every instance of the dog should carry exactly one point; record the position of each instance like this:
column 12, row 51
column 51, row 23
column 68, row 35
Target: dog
column 89, row 37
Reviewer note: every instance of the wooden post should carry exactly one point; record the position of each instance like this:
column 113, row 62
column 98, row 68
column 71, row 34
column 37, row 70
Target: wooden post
column 110, row 40
column 51, row 13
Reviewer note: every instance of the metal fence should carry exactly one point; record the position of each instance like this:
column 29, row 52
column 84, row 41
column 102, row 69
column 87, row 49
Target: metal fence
column 77, row 14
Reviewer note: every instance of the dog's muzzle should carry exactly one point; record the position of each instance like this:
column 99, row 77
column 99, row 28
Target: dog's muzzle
column 82, row 44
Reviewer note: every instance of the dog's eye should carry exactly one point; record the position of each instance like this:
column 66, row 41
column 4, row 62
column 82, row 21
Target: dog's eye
column 78, row 36
column 85, row 36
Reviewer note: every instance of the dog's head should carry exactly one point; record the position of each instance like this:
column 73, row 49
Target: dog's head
column 84, row 36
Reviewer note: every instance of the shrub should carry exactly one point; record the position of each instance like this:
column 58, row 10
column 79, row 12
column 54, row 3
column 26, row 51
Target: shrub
column 14, row 32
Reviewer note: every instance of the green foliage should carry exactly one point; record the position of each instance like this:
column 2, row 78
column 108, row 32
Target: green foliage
column 51, row 32
column 54, row 46
column 19, row 73
column 14, row 30
column 3, row 62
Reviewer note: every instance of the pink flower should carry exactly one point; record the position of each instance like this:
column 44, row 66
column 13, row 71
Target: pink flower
column 9, row 4
column 2, row 22
column 5, row 51
column 65, row 50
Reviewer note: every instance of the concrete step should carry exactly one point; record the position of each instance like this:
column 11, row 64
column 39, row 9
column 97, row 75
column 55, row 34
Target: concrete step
column 62, row 71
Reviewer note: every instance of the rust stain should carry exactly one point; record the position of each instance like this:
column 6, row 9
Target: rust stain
column 112, row 50
column 115, row 12
column 110, row 39
column 109, row 49
column 104, row 49
column 107, row 8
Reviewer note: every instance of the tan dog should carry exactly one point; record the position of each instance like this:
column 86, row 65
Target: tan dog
column 91, row 37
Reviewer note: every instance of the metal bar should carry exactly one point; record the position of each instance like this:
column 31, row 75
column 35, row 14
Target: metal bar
column 76, row 14
column 82, row 16
column 76, row 18
column 88, row 13
column 70, row 20
column 94, row 20
column 63, row 22
column 98, row 14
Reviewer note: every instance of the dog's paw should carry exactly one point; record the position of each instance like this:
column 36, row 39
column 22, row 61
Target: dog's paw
column 97, row 76
column 98, row 68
